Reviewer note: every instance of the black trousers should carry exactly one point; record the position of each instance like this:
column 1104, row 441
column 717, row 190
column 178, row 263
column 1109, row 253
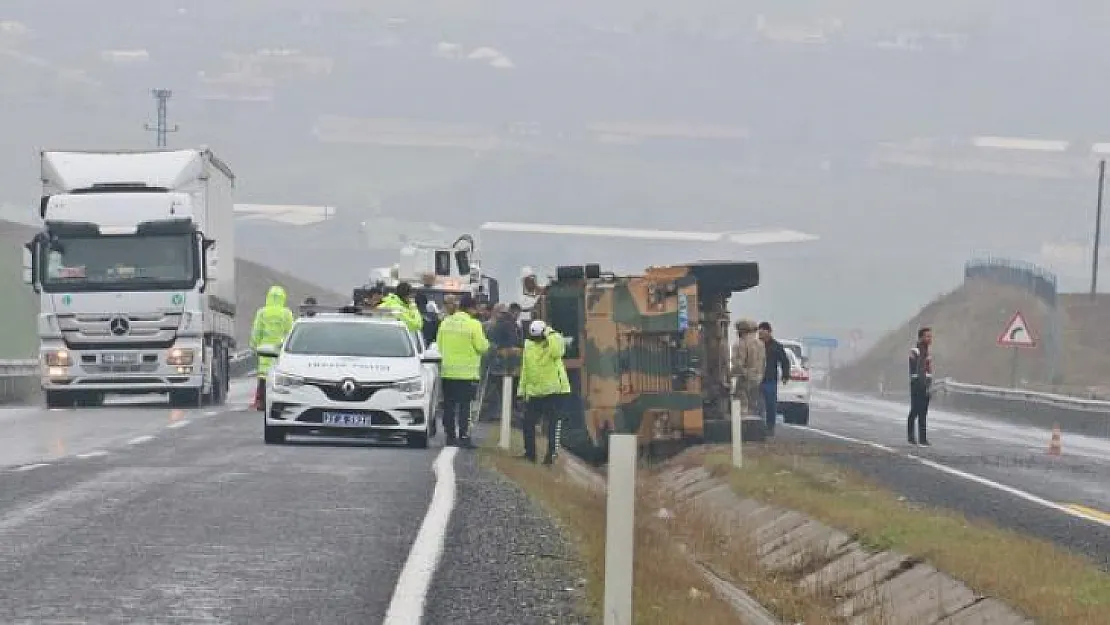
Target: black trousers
column 549, row 410
column 457, row 395
column 919, row 409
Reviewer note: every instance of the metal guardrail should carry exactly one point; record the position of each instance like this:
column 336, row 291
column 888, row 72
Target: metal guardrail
column 19, row 378
column 1073, row 414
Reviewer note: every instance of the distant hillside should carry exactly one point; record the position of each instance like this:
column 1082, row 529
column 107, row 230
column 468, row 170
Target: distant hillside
column 966, row 324
column 17, row 323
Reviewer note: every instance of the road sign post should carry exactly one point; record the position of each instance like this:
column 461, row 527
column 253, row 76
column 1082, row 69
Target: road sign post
column 1017, row 335
column 829, row 343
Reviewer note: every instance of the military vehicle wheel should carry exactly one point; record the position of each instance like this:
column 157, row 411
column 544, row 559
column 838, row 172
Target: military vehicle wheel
column 717, row 431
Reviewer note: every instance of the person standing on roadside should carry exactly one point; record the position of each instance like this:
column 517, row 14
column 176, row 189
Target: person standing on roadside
column 747, row 364
column 544, row 387
column 462, row 342
column 776, row 360
column 921, row 387
column 272, row 323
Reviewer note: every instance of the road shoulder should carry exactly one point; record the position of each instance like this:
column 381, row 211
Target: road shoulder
column 505, row 559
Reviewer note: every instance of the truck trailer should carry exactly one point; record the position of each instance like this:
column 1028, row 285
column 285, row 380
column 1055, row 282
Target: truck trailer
column 135, row 270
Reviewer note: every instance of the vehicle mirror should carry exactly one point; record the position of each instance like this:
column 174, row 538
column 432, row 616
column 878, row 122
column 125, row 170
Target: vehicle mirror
column 28, row 265
column 268, row 351
column 43, row 201
column 211, row 260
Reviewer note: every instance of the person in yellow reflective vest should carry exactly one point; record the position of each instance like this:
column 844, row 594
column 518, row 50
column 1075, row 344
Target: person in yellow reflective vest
column 401, row 302
column 544, row 387
column 461, row 341
column 272, row 323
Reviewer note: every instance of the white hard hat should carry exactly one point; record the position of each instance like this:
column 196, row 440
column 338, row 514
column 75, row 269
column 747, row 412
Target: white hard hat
column 536, row 328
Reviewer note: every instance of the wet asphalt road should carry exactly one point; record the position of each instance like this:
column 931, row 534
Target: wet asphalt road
column 977, row 466
column 140, row 513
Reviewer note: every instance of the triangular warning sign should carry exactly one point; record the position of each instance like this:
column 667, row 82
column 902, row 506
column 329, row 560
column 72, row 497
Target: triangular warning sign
column 1017, row 333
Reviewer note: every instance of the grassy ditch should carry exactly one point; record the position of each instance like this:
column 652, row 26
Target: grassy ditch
column 669, row 589
column 1045, row 582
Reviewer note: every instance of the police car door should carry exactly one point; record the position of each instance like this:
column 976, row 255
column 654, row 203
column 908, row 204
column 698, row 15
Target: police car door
column 430, row 372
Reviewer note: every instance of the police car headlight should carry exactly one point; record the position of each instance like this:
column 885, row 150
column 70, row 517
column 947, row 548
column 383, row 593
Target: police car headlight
column 412, row 386
column 284, row 380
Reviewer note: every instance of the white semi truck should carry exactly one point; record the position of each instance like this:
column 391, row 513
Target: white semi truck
column 135, row 271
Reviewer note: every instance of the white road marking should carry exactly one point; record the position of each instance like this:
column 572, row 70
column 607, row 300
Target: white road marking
column 177, row 424
column 971, row 477
column 212, row 413
column 407, row 605
column 92, row 454
column 31, row 467
column 139, row 440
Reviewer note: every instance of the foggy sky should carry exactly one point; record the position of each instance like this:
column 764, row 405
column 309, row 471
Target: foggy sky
column 893, row 236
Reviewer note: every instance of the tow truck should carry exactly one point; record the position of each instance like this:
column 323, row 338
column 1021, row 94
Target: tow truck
column 428, row 267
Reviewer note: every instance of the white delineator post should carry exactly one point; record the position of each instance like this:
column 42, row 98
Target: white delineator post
column 737, row 434
column 506, row 412
column 620, row 529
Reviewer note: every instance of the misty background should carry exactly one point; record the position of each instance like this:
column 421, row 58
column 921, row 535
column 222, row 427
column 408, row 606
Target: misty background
column 853, row 120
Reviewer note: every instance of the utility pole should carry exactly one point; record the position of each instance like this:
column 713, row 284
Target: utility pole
column 1098, row 228
column 162, row 96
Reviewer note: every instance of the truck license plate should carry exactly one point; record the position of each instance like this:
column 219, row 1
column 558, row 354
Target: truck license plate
column 120, row 358
column 346, row 418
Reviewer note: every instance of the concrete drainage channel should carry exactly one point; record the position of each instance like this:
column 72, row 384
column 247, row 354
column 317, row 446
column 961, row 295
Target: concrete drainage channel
column 885, row 588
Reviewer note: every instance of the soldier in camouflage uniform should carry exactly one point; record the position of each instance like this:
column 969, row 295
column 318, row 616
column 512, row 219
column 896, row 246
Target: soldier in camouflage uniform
column 748, row 362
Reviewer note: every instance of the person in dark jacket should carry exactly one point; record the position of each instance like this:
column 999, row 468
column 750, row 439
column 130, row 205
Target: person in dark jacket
column 776, row 359
column 921, row 387
column 431, row 319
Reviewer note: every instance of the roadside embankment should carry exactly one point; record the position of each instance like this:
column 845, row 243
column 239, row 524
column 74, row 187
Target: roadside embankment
column 924, row 564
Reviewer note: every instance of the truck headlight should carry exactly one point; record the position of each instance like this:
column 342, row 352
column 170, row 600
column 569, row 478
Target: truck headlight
column 57, row 358
column 283, row 380
column 413, row 386
column 179, row 357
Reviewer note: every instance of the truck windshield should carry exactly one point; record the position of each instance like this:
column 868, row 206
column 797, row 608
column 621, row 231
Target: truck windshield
column 120, row 263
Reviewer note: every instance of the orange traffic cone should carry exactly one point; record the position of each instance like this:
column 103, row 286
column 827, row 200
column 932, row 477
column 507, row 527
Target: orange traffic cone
column 1054, row 444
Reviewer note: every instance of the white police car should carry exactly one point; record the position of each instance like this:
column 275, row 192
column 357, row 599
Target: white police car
column 349, row 373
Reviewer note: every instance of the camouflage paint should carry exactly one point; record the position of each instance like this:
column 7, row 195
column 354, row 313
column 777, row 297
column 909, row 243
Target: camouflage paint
column 643, row 359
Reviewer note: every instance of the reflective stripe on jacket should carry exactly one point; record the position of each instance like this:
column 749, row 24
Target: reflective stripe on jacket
column 542, row 371
column 272, row 324
column 461, row 342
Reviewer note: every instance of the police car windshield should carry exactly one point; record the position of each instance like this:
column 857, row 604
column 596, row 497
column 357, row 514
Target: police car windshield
column 365, row 340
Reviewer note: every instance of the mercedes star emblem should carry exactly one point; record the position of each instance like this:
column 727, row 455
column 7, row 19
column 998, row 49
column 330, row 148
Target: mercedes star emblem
column 348, row 387
column 119, row 326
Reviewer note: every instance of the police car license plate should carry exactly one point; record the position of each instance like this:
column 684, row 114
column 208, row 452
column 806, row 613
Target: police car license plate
column 346, row 418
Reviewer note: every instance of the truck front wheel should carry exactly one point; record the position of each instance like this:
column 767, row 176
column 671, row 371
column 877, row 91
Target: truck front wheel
column 185, row 398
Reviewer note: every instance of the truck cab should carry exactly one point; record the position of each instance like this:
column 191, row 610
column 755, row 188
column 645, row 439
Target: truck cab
column 133, row 296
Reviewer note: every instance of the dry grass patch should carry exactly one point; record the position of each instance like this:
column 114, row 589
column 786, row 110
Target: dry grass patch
column 1034, row 576
column 671, row 541
column 668, row 590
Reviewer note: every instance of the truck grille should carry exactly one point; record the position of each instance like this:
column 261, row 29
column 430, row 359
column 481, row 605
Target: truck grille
column 144, row 331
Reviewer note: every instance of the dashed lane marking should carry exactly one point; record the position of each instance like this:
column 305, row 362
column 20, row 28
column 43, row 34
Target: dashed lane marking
column 92, row 454
column 212, row 413
column 31, row 467
column 139, row 440
column 177, row 424
column 1077, row 512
